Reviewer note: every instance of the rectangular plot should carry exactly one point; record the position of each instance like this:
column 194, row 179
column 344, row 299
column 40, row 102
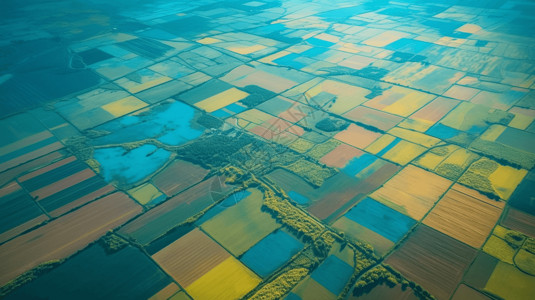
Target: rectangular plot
column 434, row 260
column 178, row 176
column 461, row 216
column 176, row 210
column 242, row 225
column 66, row 235
column 413, row 191
column 190, row 257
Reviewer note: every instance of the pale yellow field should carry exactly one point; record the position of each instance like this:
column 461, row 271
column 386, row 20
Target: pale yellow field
column 221, row 100
column 493, row 132
column 135, row 87
column 241, row 49
column 380, row 143
column 124, row 106
column 254, row 116
column 415, row 137
column 409, row 104
column 499, row 249
column 505, row 180
column 385, row 38
column 229, row 280
column 509, row 282
column 404, row 152
column 145, row 193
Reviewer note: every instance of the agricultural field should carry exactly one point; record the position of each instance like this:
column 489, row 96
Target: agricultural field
column 434, row 260
column 412, row 191
column 281, row 149
column 466, row 215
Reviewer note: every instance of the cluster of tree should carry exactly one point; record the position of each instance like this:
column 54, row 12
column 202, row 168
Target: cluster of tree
column 209, row 121
column 311, row 172
column 330, row 124
column 257, row 95
column 281, row 285
column 295, row 220
column 387, row 275
column 504, row 154
column 514, row 239
column 29, row 276
column 112, row 243
column 214, row 151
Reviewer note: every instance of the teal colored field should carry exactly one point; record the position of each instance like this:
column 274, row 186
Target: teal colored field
column 271, row 253
column 129, row 167
column 381, row 219
column 94, row 274
column 333, row 274
column 159, row 122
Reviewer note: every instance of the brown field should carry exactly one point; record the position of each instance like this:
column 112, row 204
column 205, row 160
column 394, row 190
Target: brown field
column 385, row 292
column 31, row 155
column 434, row 260
column 178, row 176
column 66, row 235
column 41, row 161
column 413, row 191
column 346, row 192
column 340, row 156
column 14, row 231
column 82, row 200
column 435, row 110
column 519, row 221
column 464, row 292
column 357, row 136
column 166, row 292
column 62, row 184
column 174, row 211
column 479, row 272
column 372, row 117
column 190, row 257
column 465, row 218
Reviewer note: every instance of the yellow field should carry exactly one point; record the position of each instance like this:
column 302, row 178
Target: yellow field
column 145, row 193
column 525, row 261
column 416, row 124
column 301, row 145
column 509, row 282
column 499, row 249
column 493, row 132
column 208, row 41
column 523, row 117
column 135, row 87
column 404, row 152
column 385, row 38
column 347, row 96
column 380, row 143
column 415, row 137
column 505, row 180
column 229, row 280
column 221, row 100
column 254, row 116
column 124, row 106
column 180, row 296
column 435, row 156
column 242, row 49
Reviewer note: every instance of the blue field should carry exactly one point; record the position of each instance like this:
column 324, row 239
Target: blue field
column 271, row 253
column 333, row 274
column 381, row 219
column 130, row 166
column 162, row 123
